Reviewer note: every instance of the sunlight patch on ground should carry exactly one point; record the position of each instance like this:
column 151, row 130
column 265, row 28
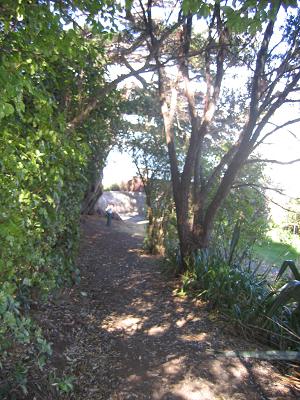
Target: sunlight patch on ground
column 150, row 256
column 230, row 375
column 181, row 322
column 158, row 330
column 148, row 293
column 190, row 317
column 196, row 388
column 134, row 378
column 239, row 372
column 263, row 373
column 188, row 390
column 180, row 309
column 136, row 235
column 173, row 367
column 126, row 217
column 195, row 391
column 134, row 251
column 200, row 337
column 129, row 323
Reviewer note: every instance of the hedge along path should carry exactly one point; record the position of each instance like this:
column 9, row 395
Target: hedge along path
column 124, row 334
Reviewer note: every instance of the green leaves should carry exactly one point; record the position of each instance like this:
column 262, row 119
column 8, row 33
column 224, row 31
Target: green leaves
column 128, row 4
column 47, row 73
column 66, row 384
column 243, row 20
column 6, row 109
column 201, row 8
column 242, row 16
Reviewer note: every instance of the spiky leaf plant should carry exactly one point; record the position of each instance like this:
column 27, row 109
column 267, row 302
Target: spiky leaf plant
column 284, row 308
column 290, row 292
column 289, row 264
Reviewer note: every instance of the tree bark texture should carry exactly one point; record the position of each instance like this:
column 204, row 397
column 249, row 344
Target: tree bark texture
column 93, row 193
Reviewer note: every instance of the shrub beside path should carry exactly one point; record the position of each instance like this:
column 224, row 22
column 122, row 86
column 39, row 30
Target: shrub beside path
column 124, row 334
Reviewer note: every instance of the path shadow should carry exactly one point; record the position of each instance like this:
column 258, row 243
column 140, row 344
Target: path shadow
column 137, row 340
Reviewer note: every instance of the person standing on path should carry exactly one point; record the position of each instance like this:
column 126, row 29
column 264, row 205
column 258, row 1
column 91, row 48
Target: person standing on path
column 109, row 214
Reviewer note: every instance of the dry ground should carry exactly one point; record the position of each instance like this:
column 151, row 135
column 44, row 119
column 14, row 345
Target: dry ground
column 124, row 335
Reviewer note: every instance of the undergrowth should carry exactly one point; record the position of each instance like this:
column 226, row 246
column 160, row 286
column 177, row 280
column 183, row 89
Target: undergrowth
column 246, row 296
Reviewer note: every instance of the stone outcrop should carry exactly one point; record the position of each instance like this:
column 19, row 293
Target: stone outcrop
column 132, row 203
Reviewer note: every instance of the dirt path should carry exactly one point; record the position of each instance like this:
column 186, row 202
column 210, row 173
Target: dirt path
column 124, row 334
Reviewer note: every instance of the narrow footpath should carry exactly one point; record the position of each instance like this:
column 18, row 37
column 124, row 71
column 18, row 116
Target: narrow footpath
column 124, row 334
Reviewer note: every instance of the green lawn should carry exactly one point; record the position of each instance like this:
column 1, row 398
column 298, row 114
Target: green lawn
column 279, row 247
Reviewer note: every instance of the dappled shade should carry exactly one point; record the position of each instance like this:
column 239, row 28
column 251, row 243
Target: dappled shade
column 134, row 338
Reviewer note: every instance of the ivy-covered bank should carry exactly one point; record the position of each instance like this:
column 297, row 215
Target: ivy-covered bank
column 47, row 71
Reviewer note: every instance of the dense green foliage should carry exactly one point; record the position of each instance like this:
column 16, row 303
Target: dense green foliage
column 47, row 73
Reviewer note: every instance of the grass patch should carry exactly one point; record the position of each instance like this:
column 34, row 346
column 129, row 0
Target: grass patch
column 279, row 246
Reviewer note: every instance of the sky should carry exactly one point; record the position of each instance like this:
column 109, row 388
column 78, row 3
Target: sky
column 119, row 168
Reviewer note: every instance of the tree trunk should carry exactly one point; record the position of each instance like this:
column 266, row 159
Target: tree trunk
column 92, row 195
column 184, row 233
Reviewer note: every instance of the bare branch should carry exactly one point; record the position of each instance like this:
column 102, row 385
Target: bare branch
column 277, row 127
column 255, row 185
column 277, row 104
column 135, row 73
column 155, row 45
column 292, row 101
column 257, row 160
column 221, row 54
column 283, row 69
column 102, row 91
column 273, row 201
column 207, row 58
column 119, row 53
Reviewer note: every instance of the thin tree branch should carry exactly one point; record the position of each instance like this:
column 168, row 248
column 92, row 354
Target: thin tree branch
column 101, row 92
column 292, row 101
column 277, row 104
column 155, row 44
column 259, row 160
column 116, row 54
column 277, row 127
column 135, row 73
column 273, row 201
column 255, row 185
